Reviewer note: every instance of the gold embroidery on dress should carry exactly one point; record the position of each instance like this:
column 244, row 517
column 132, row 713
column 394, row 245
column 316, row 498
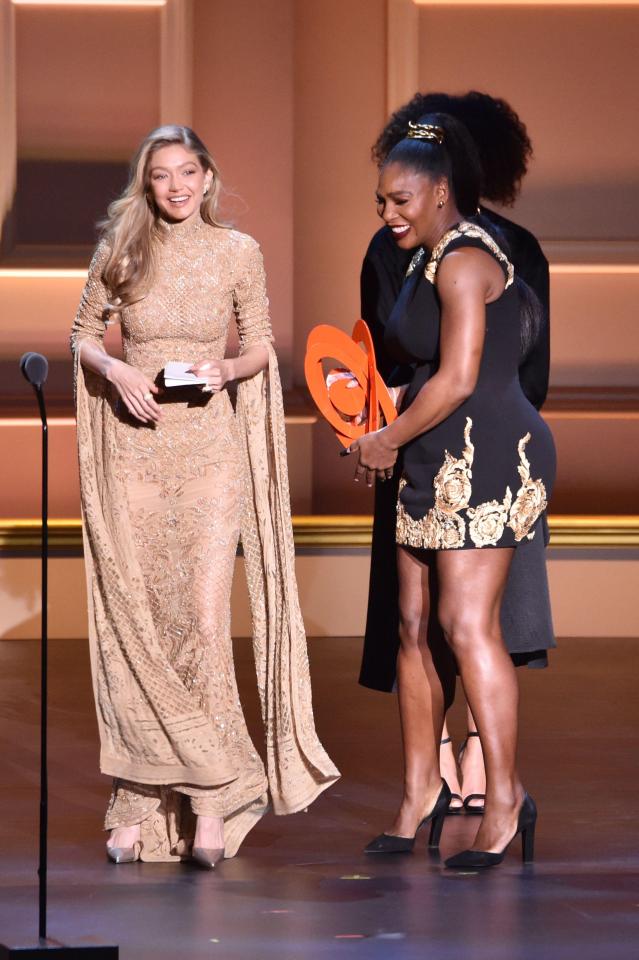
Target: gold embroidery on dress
column 451, row 530
column 465, row 229
column 487, row 521
column 453, row 486
column 163, row 506
column 531, row 500
column 415, row 261
column 444, row 527
column 423, row 534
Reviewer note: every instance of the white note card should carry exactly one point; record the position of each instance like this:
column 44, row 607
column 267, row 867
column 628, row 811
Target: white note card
column 175, row 375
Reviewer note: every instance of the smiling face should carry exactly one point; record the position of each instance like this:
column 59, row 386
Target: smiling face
column 409, row 203
column 177, row 182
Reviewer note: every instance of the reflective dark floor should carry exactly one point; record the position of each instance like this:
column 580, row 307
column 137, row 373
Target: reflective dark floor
column 300, row 888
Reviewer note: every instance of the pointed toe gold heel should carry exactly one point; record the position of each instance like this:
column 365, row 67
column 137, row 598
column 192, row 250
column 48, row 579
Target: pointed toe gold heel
column 124, row 854
column 207, row 858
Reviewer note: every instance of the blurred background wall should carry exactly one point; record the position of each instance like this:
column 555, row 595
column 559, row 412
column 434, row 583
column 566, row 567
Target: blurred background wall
column 289, row 95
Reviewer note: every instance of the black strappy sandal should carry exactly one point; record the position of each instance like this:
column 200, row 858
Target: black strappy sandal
column 470, row 807
column 453, row 811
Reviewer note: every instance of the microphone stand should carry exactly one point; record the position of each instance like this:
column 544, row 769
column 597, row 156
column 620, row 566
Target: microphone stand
column 44, row 674
column 46, row 947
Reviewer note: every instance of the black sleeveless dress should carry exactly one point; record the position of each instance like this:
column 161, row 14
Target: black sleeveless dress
column 482, row 477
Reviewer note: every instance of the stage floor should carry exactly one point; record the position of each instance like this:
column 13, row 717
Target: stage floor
column 300, row 888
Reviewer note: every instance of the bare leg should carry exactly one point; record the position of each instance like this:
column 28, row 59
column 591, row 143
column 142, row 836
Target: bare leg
column 448, row 767
column 426, row 678
column 471, row 584
column 472, row 764
column 470, row 720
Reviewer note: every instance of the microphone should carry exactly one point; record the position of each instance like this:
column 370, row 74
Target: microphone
column 34, row 368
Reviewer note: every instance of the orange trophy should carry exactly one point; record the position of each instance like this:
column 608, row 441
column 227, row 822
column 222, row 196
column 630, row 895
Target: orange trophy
column 339, row 402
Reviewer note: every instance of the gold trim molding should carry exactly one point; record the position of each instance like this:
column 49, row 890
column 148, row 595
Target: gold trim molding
column 524, row 3
column 339, row 530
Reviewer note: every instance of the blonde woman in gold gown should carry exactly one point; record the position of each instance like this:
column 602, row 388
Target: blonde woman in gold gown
column 171, row 480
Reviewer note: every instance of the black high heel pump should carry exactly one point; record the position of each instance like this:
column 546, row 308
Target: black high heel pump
column 388, row 843
column 526, row 823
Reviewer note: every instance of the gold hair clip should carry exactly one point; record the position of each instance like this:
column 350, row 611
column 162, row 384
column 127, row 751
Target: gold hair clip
column 425, row 131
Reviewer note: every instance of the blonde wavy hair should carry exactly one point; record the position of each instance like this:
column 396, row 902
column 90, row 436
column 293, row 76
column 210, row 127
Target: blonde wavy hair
column 131, row 228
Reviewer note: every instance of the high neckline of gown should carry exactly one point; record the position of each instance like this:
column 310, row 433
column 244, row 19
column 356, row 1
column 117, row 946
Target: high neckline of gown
column 182, row 228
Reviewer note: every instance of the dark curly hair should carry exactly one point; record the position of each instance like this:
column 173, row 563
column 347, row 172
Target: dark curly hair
column 501, row 139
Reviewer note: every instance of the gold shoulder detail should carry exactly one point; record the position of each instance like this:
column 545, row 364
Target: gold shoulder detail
column 416, row 260
column 465, row 229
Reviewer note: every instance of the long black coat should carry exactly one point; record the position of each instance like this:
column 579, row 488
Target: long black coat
column 526, row 617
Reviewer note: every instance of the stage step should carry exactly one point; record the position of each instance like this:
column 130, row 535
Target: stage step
column 593, row 587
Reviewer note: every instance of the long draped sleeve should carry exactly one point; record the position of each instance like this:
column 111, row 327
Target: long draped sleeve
column 249, row 298
column 298, row 767
column 91, row 319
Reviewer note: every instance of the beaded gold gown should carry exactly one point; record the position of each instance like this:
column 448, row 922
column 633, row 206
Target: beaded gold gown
column 164, row 507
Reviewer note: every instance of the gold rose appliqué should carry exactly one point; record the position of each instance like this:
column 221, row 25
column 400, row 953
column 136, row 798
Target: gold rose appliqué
column 531, row 500
column 488, row 520
column 451, row 529
column 443, row 528
column 423, row 534
column 453, row 486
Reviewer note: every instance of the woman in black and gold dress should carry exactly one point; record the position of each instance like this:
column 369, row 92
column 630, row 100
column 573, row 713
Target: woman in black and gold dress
column 477, row 463
column 505, row 151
